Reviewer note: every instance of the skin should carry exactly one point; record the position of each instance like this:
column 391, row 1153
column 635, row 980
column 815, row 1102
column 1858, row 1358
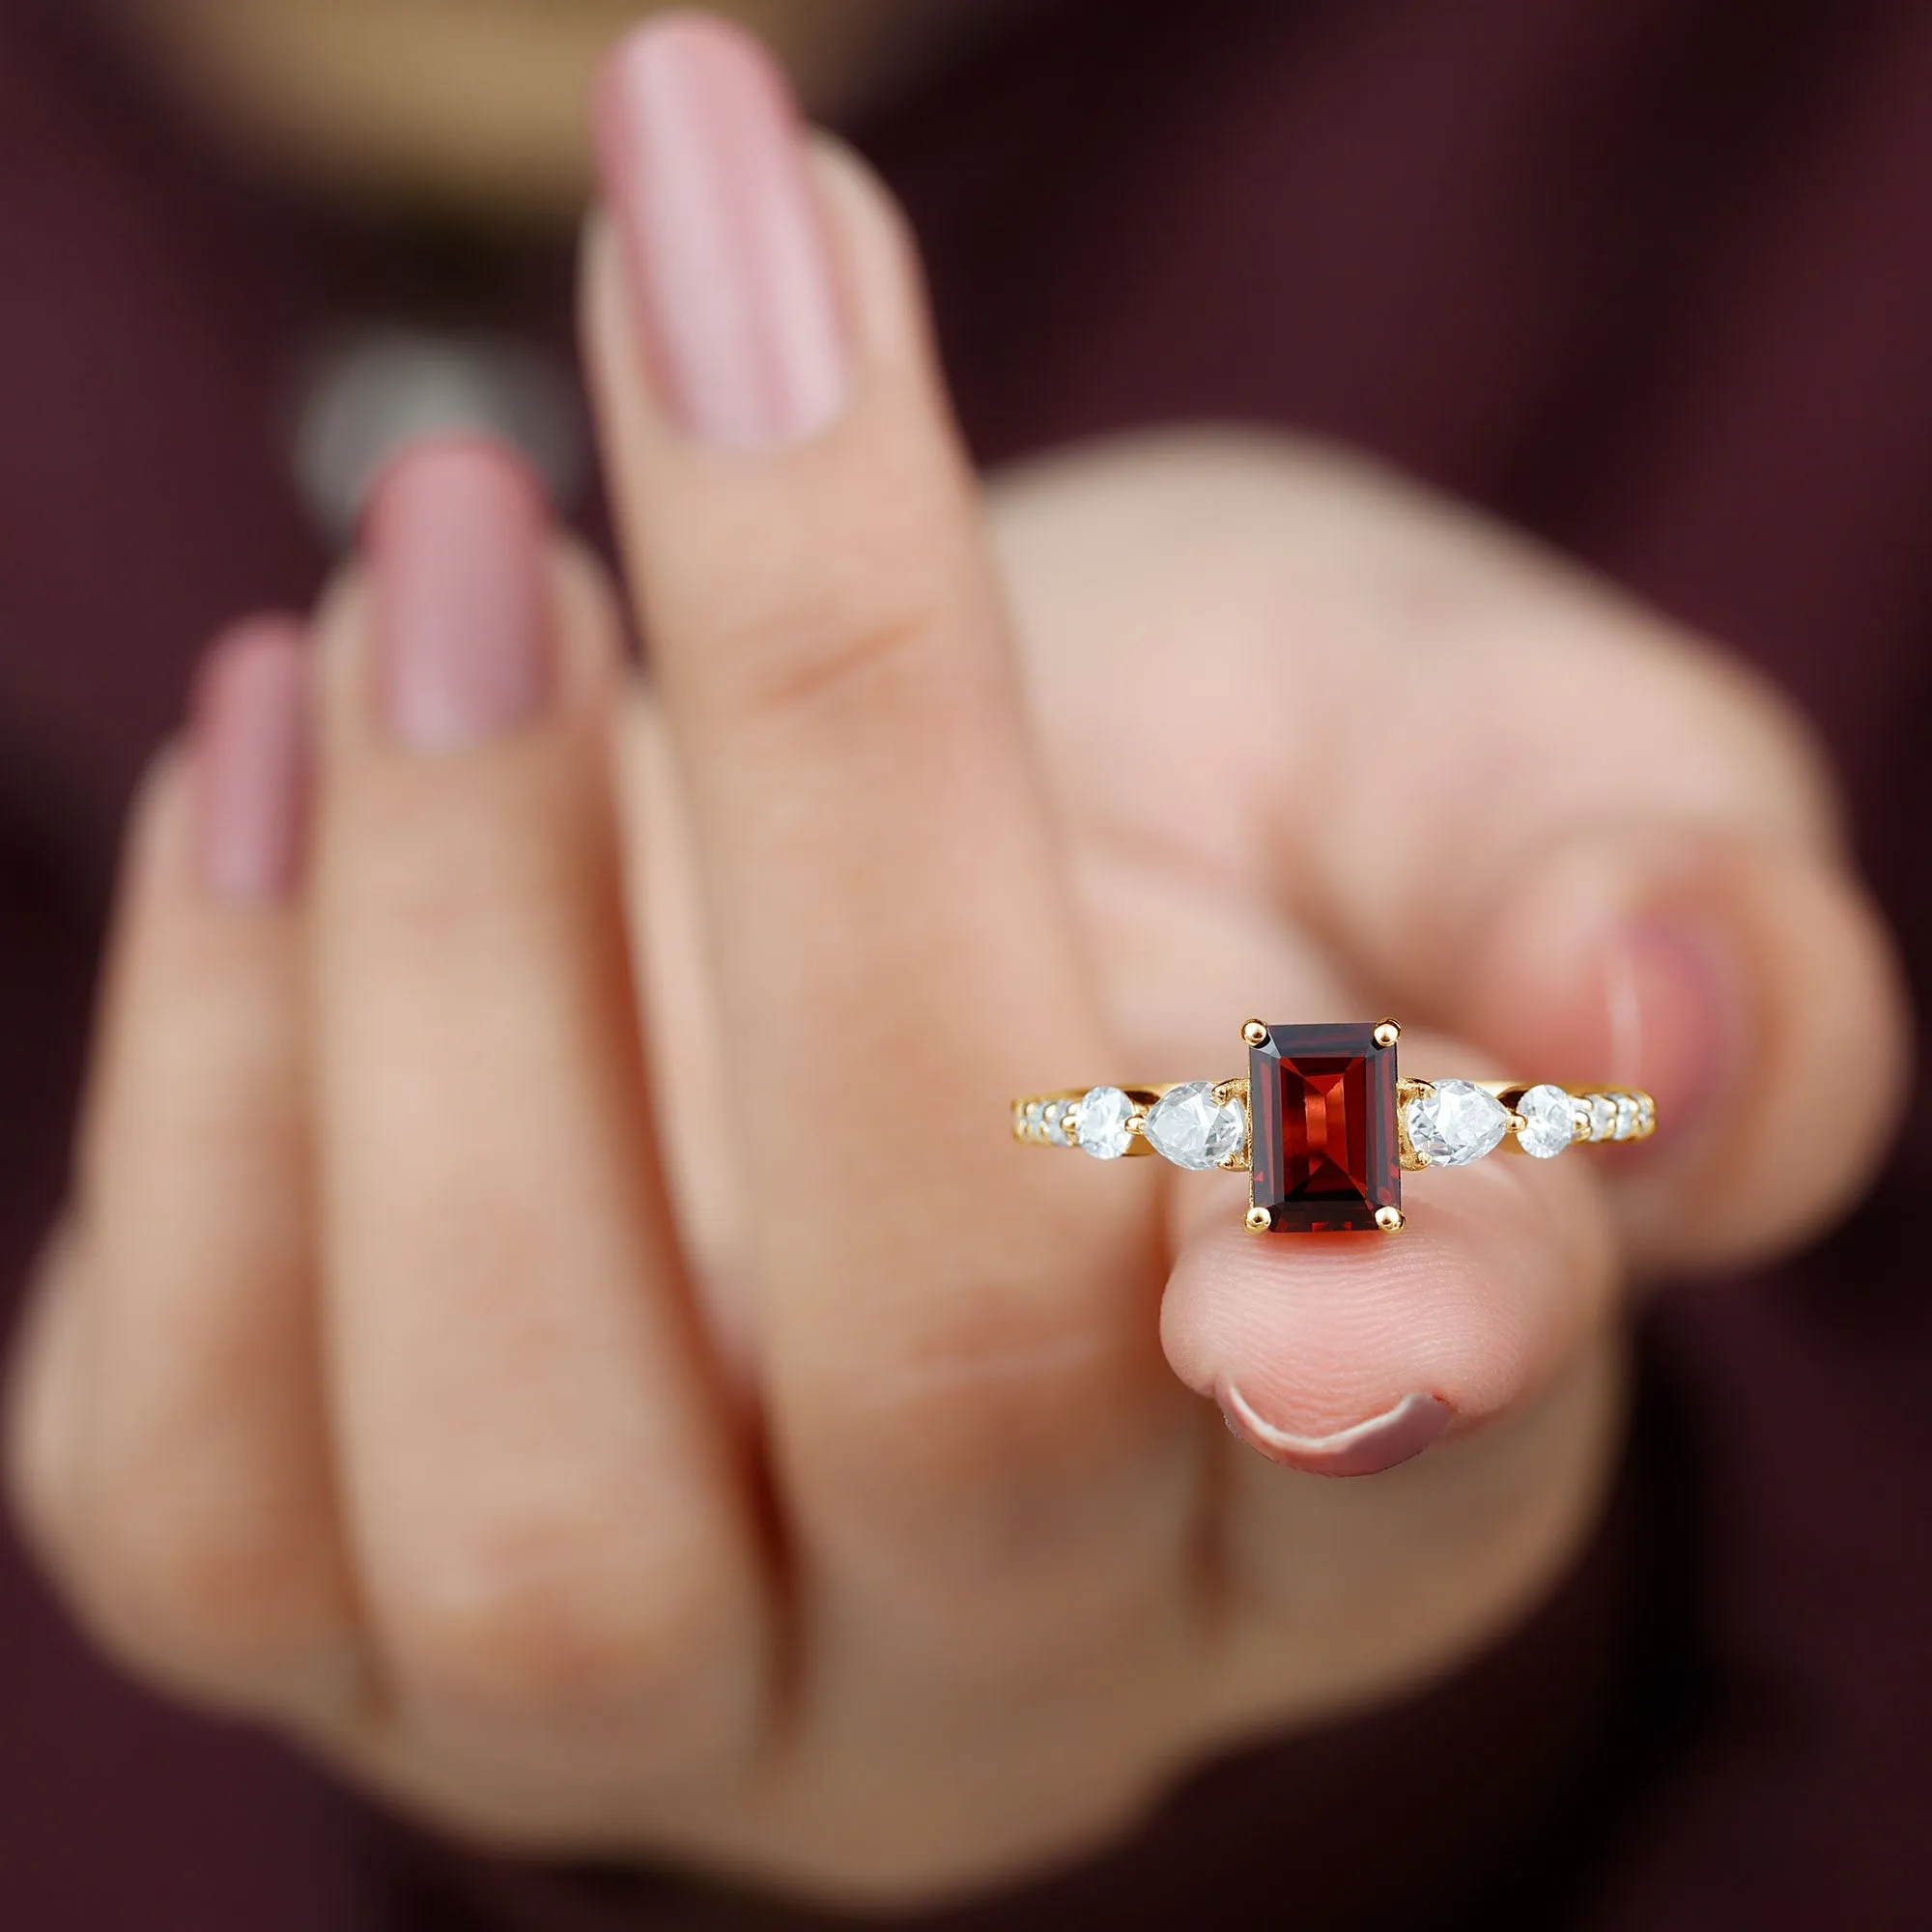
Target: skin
column 832, row 1493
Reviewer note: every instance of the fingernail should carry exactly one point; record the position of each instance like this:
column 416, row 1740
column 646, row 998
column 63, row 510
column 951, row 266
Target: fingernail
column 1677, row 1019
column 456, row 536
column 1366, row 1449
column 251, row 761
column 704, row 162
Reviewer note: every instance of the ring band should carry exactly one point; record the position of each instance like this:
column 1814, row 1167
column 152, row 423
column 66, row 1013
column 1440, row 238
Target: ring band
column 1324, row 1126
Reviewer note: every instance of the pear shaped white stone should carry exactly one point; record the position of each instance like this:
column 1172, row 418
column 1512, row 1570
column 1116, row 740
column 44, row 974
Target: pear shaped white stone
column 1188, row 1127
column 1100, row 1123
column 1457, row 1124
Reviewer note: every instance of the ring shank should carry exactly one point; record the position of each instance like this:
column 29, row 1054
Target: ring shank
column 1600, row 1113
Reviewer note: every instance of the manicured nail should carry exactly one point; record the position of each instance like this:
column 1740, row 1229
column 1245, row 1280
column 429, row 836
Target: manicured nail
column 250, row 751
column 456, row 535
column 1365, row 1450
column 703, row 161
column 1677, row 1019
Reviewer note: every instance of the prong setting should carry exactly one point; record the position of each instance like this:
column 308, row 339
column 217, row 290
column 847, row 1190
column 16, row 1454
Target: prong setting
column 1254, row 1033
column 1387, row 1032
column 1391, row 1220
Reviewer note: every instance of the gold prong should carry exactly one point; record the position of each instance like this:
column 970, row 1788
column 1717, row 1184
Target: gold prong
column 1516, row 1124
column 1137, row 1122
column 1390, row 1220
column 1387, row 1032
column 1259, row 1220
column 1254, row 1033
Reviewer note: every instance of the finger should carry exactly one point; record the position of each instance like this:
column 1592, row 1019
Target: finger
column 200, row 1530
column 543, row 1489
column 945, row 1327
column 1741, row 978
column 1522, row 808
column 1347, row 1356
column 44, row 1403
column 1636, row 878
column 1339, row 1593
column 1468, row 1365
column 692, row 1097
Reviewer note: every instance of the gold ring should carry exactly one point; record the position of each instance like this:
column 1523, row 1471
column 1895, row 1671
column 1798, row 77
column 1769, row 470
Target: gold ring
column 1324, row 1128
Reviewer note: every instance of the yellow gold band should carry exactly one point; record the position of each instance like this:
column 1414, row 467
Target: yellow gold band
column 1324, row 1125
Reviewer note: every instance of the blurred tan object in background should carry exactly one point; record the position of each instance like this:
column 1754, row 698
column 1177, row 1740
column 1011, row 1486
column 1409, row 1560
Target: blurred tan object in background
column 477, row 106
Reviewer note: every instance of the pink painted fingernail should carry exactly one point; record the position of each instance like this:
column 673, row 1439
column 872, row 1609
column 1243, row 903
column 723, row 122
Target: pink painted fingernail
column 703, row 161
column 456, row 535
column 250, row 753
column 1677, row 1020
column 1366, row 1449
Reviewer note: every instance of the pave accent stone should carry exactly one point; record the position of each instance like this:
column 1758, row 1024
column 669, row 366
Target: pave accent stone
column 1457, row 1122
column 1603, row 1117
column 1188, row 1127
column 1627, row 1115
column 1324, row 1104
column 1549, row 1122
column 1053, row 1123
column 1100, row 1123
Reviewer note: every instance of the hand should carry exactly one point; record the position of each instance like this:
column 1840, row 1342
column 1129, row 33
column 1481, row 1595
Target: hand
column 550, row 1312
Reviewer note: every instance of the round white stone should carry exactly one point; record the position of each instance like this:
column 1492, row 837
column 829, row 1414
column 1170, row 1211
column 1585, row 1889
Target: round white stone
column 1646, row 1115
column 1626, row 1117
column 1548, row 1120
column 1603, row 1117
column 1053, row 1123
column 1457, row 1124
column 1100, row 1123
column 1191, row 1129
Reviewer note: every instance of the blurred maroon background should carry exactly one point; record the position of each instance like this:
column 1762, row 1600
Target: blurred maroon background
column 1652, row 277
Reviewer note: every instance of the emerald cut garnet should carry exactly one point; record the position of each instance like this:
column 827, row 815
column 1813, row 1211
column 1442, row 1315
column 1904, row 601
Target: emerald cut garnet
column 1323, row 1103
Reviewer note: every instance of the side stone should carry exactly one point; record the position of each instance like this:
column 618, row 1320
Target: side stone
column 1549, row 1122
column 1188, row 1127
column 1455, row 1124
column 1100, row 1122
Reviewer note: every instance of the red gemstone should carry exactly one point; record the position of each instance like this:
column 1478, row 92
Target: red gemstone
column 1323, row 1101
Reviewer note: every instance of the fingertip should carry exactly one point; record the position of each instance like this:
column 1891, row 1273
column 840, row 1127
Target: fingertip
column 1397, row 1434
column 158, row 836
column 422, row 476
column 676, row 49
column 1345, row 1354
column 1611, row 962
column 456, row 532
column 1747, row 984
column 251, row 740
column 1819, row 1090
column 734, row 292
column 42, row 1396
